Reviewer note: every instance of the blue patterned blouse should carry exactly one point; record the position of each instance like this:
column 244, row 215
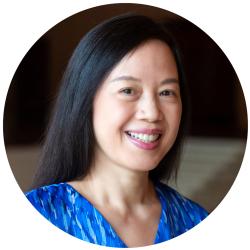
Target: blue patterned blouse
column 62, row 205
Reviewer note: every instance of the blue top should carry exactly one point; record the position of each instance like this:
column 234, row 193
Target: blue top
column 67, row 209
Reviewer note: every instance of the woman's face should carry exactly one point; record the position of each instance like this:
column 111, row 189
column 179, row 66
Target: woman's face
column 137, row 110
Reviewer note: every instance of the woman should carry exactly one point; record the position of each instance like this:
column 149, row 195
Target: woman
column 115, row 133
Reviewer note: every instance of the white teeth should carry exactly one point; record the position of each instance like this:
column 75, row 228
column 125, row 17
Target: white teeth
column 144, row 137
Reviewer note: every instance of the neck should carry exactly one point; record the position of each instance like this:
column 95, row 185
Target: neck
column 120, row 188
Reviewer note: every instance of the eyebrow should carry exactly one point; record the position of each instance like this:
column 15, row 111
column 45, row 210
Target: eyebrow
column 131, row 78
column 126, row 78
column 170, row 80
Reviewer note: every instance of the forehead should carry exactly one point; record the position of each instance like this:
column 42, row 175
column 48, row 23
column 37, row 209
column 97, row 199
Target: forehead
column 151, row 58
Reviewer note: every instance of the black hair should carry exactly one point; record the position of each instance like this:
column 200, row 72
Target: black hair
column 68, row 149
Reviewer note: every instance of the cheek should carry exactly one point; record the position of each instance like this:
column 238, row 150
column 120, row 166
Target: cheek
column 173, row 113
column 178, row 113
column 121, row 115
column 173, row 119
column 110, row 115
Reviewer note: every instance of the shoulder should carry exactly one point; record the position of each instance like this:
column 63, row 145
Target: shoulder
column 47, row 192
column 48, row 200
column 180, row 206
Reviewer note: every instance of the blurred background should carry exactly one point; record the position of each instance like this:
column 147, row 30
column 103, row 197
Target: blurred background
column 215, row 145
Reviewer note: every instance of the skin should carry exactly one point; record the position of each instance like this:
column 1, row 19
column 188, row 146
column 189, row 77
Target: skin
column 141, row 92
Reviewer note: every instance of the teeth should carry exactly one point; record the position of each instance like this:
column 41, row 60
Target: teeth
column 144, row 137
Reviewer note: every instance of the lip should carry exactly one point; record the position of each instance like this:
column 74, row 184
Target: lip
column 146, row 131
column 144, row 145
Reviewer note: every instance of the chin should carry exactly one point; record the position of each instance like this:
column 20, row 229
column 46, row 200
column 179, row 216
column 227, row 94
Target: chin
column 144, row 165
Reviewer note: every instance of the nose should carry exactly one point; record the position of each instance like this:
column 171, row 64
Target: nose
column 149, row 109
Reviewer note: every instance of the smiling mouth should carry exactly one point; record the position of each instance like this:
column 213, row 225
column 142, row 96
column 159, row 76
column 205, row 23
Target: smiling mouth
column 146, row 138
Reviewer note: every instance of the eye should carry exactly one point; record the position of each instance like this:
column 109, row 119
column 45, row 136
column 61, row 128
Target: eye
column 167, row 93
column 127, row 91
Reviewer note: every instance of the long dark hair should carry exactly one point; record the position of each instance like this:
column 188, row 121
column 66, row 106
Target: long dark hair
column 69, row 145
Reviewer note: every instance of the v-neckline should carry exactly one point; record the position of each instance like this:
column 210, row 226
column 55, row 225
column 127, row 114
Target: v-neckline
column 108, row 224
